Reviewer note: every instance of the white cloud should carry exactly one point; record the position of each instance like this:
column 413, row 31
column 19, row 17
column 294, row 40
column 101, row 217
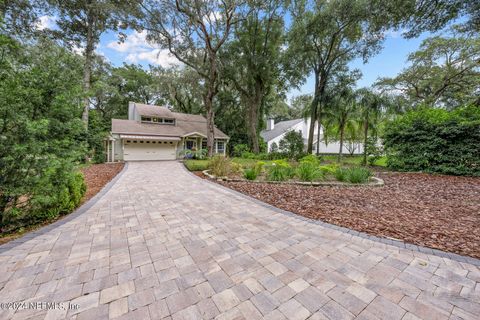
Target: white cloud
column 45, row 22
column 138, row 49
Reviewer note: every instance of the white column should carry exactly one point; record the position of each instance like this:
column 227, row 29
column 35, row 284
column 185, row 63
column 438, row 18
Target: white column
column 113, row 150
column 108, row 150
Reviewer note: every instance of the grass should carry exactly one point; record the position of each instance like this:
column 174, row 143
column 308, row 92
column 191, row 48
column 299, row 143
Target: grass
column 355, row 160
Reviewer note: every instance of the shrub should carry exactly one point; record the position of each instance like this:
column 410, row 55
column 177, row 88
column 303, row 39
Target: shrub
column 274, row 147
column 341, row 174
column 308, row 171
column 248, row 155
column 279, row 170
column 292, row 145
column 435, row 140
column 239, row 149
column 310, row 159
column 374, row 151
column 250, row 173
column 196, row 165
column 220, row 166
column 235, row 167
column 358, row 175
column 329, row 169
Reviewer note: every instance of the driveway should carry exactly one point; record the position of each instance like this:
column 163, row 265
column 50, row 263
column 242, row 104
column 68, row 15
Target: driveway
column 163, row 243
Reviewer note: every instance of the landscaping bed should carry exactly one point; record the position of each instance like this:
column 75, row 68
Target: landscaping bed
column 435, row 211
column 97, row 176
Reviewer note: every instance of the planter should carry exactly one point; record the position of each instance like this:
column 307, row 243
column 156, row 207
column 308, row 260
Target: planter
column 374, row 182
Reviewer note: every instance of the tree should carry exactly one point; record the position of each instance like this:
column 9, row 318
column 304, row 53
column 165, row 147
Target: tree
column 325, row 35
column 370, row 105
column 253, row 61
column 80, row 24
column 193, row 31
column 292, row 144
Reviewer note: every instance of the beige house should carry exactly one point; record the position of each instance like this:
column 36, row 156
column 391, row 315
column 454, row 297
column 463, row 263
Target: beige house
column 157, row 133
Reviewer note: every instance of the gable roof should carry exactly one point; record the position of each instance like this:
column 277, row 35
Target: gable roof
column 279, row 129
column 184, row 123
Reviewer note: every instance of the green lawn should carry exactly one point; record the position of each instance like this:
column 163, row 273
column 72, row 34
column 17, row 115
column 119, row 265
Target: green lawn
column 196, row 165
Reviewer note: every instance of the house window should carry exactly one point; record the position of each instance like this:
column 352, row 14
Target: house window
column 220, row 147
column 190, row 144
column 168, row 121
column 146, row 119
column 141, row 141
column 171, row 142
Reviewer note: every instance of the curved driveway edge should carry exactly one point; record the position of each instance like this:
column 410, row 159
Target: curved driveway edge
column 160, row 244
column 393, row 242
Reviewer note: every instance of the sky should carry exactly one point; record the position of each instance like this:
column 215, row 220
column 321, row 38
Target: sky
column 135, row 49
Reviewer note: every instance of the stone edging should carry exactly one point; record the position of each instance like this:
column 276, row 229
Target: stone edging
column 393, row 242
column 377, row 182
column 67, row 218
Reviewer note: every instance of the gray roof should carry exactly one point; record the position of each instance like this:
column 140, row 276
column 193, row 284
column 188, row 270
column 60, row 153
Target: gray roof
column 279, row 129
column 185, row 124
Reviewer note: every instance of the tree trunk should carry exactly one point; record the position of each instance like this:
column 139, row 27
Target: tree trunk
column 342, row 132
column 254, row 104
column 365, row 139
column 87, row 70
column 208, row 101
column 317, row 99
column 318, row 134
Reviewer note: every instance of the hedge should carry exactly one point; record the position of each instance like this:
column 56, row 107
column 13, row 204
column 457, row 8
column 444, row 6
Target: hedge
column 435, row 140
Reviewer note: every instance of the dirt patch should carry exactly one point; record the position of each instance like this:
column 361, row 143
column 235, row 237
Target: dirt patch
column 97, row 176
column 441, row 212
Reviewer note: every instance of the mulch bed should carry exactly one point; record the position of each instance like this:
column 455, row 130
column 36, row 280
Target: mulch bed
column 435, row 211
column 97, row 176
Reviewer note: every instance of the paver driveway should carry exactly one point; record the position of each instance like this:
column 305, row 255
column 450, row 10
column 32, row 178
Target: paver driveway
column 163, row 243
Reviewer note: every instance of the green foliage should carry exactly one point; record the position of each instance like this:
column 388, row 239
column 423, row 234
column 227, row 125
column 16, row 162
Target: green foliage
column 308, row 171
column 373, row 150
column 248, row 155
column 274, row 147
column 311, row 159
column 250, row 173
column 279, row 170
column 358, row 175
column 197, row 165
column 220, row 166
column 341, row 174
column 239, row 149
column 329, row 169
column 435, row 140
column 42, row 137
column 292, row 145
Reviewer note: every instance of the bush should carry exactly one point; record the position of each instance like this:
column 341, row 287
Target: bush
column 328, row 169
column 311, row 159
column 308, row 171
column 250, row 173
column 341, row 174
column 435, row 140
column 220, row 166
column 292, row 145
column 239, row 149
column 279, row 170
column 249, row 155
column 274, row 147
column 196, row 165
column 374, row 152
column 358, row 175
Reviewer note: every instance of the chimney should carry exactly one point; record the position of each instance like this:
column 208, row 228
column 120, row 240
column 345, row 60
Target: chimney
column 270, row 124
column 131, row 107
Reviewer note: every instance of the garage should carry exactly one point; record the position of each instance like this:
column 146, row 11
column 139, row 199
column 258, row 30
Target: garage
column 149, row 150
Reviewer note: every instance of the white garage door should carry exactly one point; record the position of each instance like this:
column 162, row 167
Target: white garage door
column 149, row 150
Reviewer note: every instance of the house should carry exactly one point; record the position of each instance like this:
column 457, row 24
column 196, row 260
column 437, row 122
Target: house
column 276, row 131
column 157, row 133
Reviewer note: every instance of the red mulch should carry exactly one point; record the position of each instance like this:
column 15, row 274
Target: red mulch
column 436, row 211
column 97, row 176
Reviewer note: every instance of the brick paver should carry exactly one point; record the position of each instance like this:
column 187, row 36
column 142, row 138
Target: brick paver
column 164, row 244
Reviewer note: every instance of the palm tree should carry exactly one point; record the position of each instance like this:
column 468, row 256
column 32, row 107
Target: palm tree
column 370, row 108
column 345, row 111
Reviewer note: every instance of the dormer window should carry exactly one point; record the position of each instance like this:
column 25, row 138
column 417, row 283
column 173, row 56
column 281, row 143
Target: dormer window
column 157, row 120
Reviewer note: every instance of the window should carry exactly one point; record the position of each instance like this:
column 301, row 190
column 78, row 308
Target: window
column 146, row 119
column 169, row 121
column 189, row 144
column 220, row 146
column 128, row 141
column 147, row 141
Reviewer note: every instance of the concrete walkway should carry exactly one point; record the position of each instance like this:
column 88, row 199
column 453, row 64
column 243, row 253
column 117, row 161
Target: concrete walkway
column 162, row 243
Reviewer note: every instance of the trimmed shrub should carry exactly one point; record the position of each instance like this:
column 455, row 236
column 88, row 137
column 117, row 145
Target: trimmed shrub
column 435, row 140
column 196, row 165
column 220, row 166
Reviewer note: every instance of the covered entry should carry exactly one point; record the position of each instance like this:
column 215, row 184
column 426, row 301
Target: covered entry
column 149, row 148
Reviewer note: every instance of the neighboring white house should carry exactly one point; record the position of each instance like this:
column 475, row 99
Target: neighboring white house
column 276, row 131
column 157, row 133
